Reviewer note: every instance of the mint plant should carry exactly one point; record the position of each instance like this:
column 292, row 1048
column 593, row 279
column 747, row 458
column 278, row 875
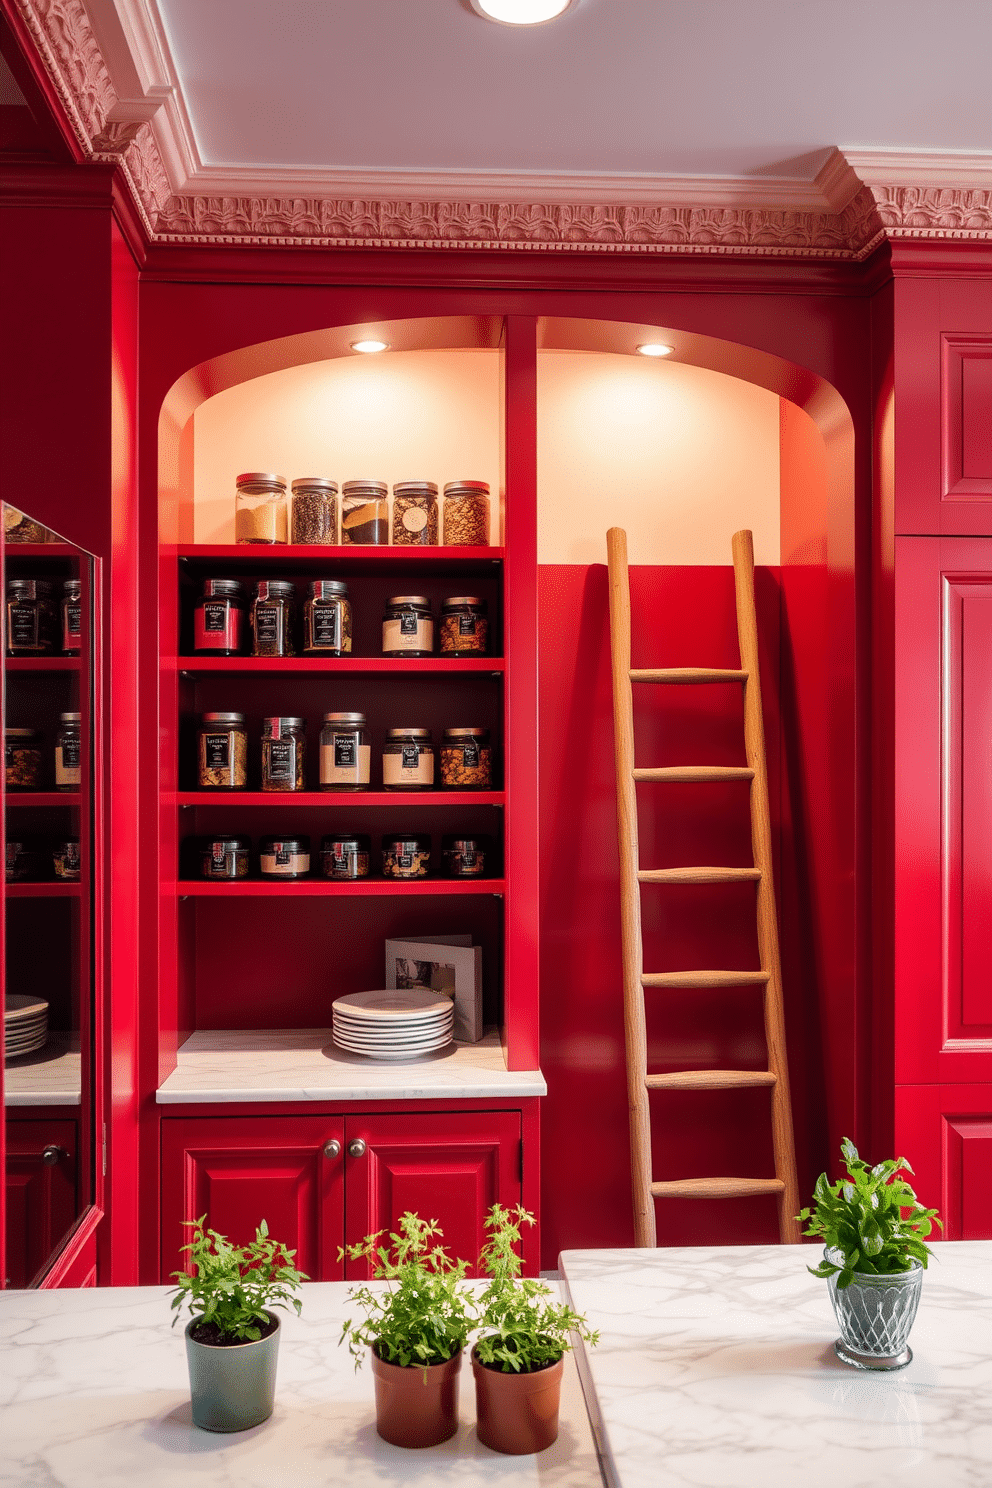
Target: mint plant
column 424, row 1317
column 521, row 1330
column 233, row 1285
column 861, row 1217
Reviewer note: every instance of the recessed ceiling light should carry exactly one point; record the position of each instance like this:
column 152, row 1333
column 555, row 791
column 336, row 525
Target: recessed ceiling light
column 370, row 346
column 522, row 12
column 655, row 348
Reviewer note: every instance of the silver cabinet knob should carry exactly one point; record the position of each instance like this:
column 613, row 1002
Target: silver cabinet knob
column 332, row 1148
column 52, row 1155
column 356, row 1148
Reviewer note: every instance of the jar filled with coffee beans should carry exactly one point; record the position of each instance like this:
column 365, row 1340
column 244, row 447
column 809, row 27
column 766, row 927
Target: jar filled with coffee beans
column 66, row 861
column 31, row 625
column 224, row 858
column 68, row 753
column 71, row 614
column 408, row 626
column 327, row 619
column 408, row 759
column 260, row 514
column 314, row 517
column 345, row 753
column 408, row 856
column 284, row 857
column 273, row 616
column 219, row 619
column 466, row 759
column 415, row 514
column 464, row 626
column 464, row 857
column 22, row 759
column 222, row 752
column 284, row 754
column 345, row 856
column 466, row 514
column 365, row 513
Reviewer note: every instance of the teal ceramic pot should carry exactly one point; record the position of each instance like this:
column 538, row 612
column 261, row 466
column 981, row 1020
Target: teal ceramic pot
column 232, row 1388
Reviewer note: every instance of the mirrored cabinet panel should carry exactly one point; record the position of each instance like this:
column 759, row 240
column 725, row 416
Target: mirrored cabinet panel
column 48, row 968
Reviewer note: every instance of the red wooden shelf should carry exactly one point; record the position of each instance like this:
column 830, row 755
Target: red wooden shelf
column 42, row 891
column 41, row 663
column 303, row 664
column 40, row 550
column 345, row 800
column 251, row 556
column 41, row 798
column 322, row 888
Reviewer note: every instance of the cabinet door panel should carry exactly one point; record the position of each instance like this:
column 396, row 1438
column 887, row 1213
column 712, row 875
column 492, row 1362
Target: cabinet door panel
column 947, row 1129
column 445, row 1167
column 41, row 1197
column 239, row 1171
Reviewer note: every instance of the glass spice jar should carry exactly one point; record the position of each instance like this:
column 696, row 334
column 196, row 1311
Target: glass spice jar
column 466, row 514
column 68, row 753
column 464, row 626
column 222, row 752
column 284, row 753
column 466, row 759
column 224, row 858
column 219, row 619
column 327, row 619
column 260, row 514
column 415, row 514
column 406, row 857
column 66, row 860
column 314, row 516
column 273, row 613
column 22, row 759
column 30, row 618
column 365, row 512
column 71, row 611
column 284, row 857
column 464, row 857
column 408, row 759
column 24, row 862
column 408, row 626
column 345, row 753
column 346, row 856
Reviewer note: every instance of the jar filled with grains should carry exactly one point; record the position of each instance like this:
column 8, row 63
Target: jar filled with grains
column 408, row 626
column 466, row 759
column 466, row 514
column 406, row 857
column 222, row 752
column 408, row 759
column 71, row 613
column 327, row 619
column 31, row 623
column 22, row 759
column 284, row 857
column 315, row 511
column 464, row 857
column 284, row 754
column 219, row 619
column 273, row 615
column 345, row 856
column 224, row 857
column 464, row 626
column 415, row 514
column 345, row 753
column 68, row 753
column 260, row 514
column 66, row 860
column 365, row 512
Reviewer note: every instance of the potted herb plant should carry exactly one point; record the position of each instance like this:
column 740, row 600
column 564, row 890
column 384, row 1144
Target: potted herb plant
column 232, row 1339
column 414, row 1329
column 874, row 1230
column 519, row 1358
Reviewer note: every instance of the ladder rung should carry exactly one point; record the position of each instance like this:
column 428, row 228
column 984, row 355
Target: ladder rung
column 699, row 875
column 687, row 675
column 716, row 1188
column 693, row 773
column 710, row 1080
column 705, row 979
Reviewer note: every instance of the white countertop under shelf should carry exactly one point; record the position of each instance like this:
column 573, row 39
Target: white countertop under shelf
column 52, row 1076
column 302, row 1064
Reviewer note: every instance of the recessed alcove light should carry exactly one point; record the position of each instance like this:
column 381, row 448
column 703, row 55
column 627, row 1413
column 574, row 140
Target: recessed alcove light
column 522, row 12
column 370, row 346
column 655, row 349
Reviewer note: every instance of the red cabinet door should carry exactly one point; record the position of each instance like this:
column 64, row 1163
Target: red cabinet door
column 448, row 1167
column 240, row 1170
column 41, row 1193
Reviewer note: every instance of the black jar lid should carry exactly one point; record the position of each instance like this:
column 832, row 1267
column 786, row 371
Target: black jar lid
column 355, row 841
column 300, row 844
column 223, row 589
column 327, row 589
column 466, row 733
column 474, row 601
column 72, row 588
column 417, row 734
column 409, row 602
column 412, row 841
column 226, row 844
column 231, row 720
column 275, row 589
column 346, row 723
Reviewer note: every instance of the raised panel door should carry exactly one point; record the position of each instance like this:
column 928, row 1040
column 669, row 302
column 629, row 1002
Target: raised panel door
column 41, row 1193
column 948, row 1131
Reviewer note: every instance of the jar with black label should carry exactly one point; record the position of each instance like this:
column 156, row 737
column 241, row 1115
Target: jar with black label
column 260, row 514
column 365, row 512
column 327, row 619
column 466, row 759
column 408, row 626
column 415, row 514
column 406, row 857
column 30, row 618
column 345, row 856
column 72, row 617
column 408, row 759
column 222, row 752
column 284, row 857
column 224, row 857
column 315, row 511
column 68, row 753
column 22, row 759
column 345, row 753
column 464, row 626
column 24, row 862
column 464, row 857
column 219, row 619
column 66, row 860
column 273, row 613
column 284, row 754
column 466, row 514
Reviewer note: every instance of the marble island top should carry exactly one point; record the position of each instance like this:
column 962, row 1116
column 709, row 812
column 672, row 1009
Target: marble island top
column 303, row 1064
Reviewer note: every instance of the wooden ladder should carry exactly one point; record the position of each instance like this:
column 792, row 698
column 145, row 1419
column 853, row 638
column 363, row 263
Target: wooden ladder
column 639, row 1081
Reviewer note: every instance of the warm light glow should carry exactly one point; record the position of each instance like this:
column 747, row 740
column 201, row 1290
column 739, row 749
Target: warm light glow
column 370, row 346
column 521, row 12
column 655, row 348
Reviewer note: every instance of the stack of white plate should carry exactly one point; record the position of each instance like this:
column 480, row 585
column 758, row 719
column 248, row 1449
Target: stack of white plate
column 25, row 1024
column 392, row 1025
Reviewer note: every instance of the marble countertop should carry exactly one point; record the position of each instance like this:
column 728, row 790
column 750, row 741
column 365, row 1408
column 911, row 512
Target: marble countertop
column 52, row 1076
column 716, row 1368
column 302, row 1064
column 94, row 1393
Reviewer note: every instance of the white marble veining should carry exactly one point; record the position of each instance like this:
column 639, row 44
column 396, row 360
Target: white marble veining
column 716, row 1370
column 302, row 1064
column 94, row 1394
column 52, row 1076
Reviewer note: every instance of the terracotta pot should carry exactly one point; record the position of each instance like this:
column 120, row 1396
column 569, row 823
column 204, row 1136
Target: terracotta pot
column 232, row 1388
column 517, row 1413
column 414, row 1406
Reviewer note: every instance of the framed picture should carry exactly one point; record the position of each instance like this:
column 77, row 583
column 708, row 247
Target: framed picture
column 449, row 964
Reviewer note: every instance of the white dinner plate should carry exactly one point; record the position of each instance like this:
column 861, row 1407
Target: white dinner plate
column 17, row 1006
column 412, row 1002
column 397, row 1044
column 392, row 1057
column 395, row 1025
